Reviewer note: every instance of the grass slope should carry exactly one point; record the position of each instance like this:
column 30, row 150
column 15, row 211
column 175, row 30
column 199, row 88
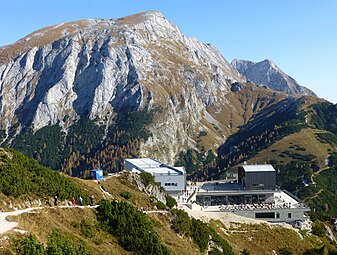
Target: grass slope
column 262, row 239
column 303, row 142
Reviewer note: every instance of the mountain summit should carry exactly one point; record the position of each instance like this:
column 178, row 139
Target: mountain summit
column 268, row 74
column 132, row 86
column 97, row 68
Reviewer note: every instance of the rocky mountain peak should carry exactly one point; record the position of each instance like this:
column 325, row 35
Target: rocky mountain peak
column 98, row 68
column 267, row 73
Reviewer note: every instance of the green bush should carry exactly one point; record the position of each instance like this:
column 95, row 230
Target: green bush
column 147, row 178
column 181, row 222
column 318, row 229
column 132, row 228
column 29, row 245
column 160, row 205
column 126, row 195
column 20, row 175
column 285, row 251
column 58, row 244
column 87, row 229
column 215, row 252
column 202, row 133
column 170, row 201
column 199, row 231
column 98, row 240
column 315, row 251
column 226, row 248
column 200, row 234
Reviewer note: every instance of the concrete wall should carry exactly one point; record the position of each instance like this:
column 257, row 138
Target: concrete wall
column 178, row 180
column 129, row 166
column 296, row 214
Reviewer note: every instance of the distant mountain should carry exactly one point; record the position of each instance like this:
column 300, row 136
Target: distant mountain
column 268, row 74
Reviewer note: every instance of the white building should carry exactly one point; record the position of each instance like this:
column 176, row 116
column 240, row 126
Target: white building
column 173, row 179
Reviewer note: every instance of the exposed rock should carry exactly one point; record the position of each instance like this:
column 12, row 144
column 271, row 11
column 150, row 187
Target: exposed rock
column 151, row 190
column 268, row 74
column 96, row 67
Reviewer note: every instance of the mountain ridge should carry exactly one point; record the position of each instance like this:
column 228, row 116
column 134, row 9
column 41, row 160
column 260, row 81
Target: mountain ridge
column 267, row 73
column 100, row 69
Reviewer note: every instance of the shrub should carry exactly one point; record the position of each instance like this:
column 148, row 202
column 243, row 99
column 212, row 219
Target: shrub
column 132, row 228
column 318, row 229
column 87, row 229
column 200, row 234
column 315, row 251
column 160, row 205
column 181, row 222
column 147, row 178
column 98, row 240
column 215, row 252
column 59, row 244
column 21, row 176
column 29, row 245
column 126, row 195
column 199, row 231
column 202, row 133
column 170, row 201
column 285, row 251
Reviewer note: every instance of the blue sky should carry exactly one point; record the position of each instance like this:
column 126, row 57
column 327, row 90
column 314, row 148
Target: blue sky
column 299, row 36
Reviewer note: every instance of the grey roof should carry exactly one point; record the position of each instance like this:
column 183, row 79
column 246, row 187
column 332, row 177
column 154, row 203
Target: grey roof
column 258, row 168
column 155, row 167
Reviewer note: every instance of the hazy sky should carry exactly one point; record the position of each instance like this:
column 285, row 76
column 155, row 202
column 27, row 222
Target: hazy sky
column 300, row 36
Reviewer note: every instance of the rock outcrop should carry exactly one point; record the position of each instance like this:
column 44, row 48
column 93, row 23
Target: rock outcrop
column 268, row 74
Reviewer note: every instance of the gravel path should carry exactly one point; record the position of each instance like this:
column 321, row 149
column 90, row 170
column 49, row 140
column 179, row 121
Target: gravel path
column 6, row 225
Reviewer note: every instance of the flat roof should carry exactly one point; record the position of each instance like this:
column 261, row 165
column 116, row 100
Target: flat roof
column 154, row 166
column 161, row 170
column 258, row 168
column 144, row 162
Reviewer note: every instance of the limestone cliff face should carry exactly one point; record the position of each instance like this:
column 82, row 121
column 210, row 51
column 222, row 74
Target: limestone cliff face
column 98, row 68
column 268, row 74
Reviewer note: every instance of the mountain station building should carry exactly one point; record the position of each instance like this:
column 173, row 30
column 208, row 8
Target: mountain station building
column 254, row 195
column 173, row 179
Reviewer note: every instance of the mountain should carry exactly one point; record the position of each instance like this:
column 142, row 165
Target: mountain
column 268, row 74
column 67, row 90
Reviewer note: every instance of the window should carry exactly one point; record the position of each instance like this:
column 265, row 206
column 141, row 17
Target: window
column 289, row 215
column 265, row 215
column 278, row 215
column 171, row 184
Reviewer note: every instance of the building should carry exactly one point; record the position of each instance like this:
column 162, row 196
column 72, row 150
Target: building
column 96, row 174
column 254, row 195
column 173, row 179
column 257, row 177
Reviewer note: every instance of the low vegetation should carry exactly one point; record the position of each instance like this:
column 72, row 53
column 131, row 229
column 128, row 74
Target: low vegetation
column 132, row 228
column 87, row 143
column 22, row 176
column 200, row 232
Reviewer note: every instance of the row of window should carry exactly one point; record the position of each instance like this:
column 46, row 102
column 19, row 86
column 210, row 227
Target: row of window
column 171, row 184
